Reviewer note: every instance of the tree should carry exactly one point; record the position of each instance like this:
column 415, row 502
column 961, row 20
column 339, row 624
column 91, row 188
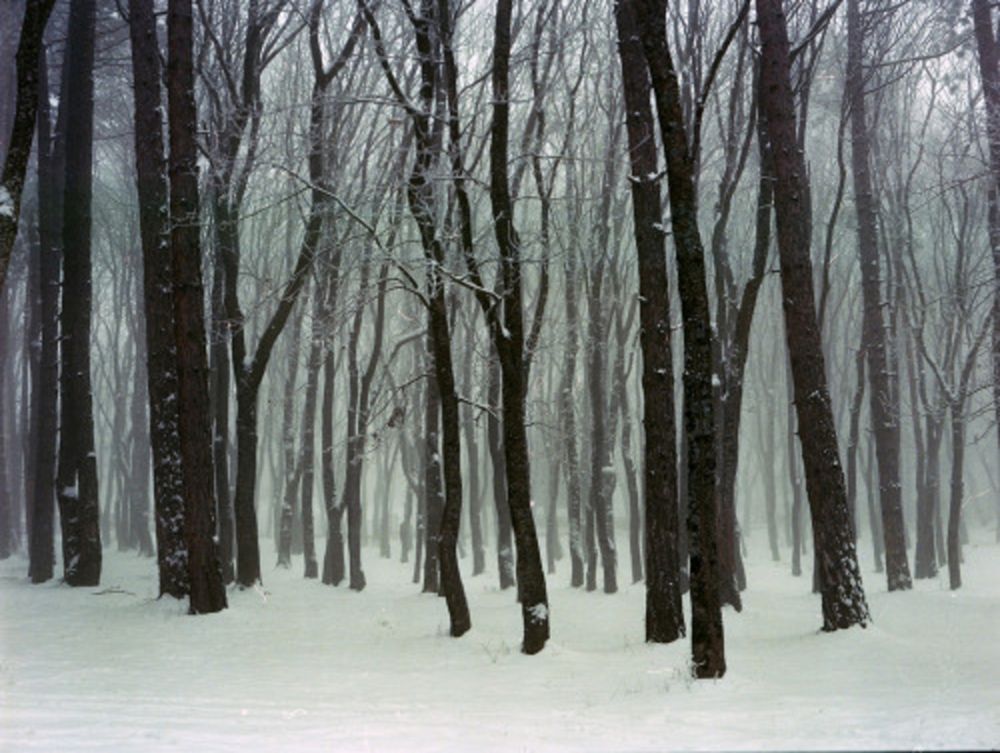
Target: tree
column 707, row 640
column 29, row 49
column 51, row 155
column 79, row 507
column 194, row 425
column 843, row 599
column 664, row 614
column 988, row 48
column 884, row 404
column 161, row 350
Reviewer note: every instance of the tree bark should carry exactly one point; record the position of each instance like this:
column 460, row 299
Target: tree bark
column 160, row 348
column 194, row 419
column 843, row 598
column 884, row 406
column 79, row 505
column 989, row 71
column 509, row 339
column 664, row 613
column 707, row 640
column 30, row 48
column 46, row 401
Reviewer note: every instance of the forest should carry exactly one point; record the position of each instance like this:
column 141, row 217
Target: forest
column 581, row 315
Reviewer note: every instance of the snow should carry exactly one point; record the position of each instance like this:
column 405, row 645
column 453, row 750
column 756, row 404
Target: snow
column 300, row 666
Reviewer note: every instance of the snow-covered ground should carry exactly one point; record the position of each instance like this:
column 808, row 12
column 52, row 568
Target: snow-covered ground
column 298, row 666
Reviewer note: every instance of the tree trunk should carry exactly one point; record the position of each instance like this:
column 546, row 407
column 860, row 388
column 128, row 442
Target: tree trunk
column 292, row 478
column 843, row 598
column 433, row 490
column 925, row 559
column 883, row 405
column 494, row 430
column 208, row 593
column 957, row 493
column 30, row 50
column 567, row 412
column 707, row 642
column 509, row 340
column 79, row 506
column 989, row 70
column 46, row 400
column 160, row 349
column 664, row 613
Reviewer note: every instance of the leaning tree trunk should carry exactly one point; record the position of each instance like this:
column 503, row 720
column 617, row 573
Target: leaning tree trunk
column 79, row 507
column 664, row 614
column 884, row 407
column 207, row 591
column 843, row 598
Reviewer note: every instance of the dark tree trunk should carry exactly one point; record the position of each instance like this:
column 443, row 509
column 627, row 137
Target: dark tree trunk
column 707, row 640
column 46, row 400
column 137, row 488
column 854, row 441
column 219, row 384
column 601, row 469
column 989, row 70
column 160, row 349
column 287, row 514
column 925, row 560
column 494, row 432
column 567, row 411
column 333, row 556
column 733, row 369
column 509, row 340
column 843, row 598
column 956, row 495
column 433, row 489
column 475, row 489
column 79, row 505
column 207, row 590
column 883, row 404
column 308, row 450
column 664, row 613
column 7, row 489
column 30, row 49
column 421, row 199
